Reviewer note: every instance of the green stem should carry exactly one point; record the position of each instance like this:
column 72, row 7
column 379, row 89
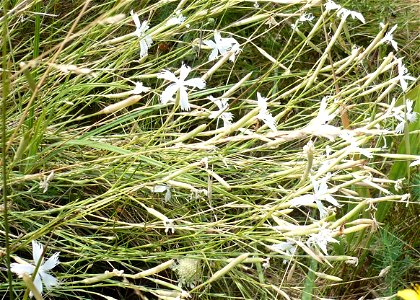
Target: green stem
column 406, row 137
column 6, row 83
column 310, row 281
column 37, row 8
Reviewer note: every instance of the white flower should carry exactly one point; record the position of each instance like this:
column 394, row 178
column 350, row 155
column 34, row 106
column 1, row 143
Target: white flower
column 331, row 5
column 160, row 188
column 321, row 239
column 42, row 275
column 319, row 125
column 264, row 115
column 266, row 263
column 328, row 151
column 403, row 117
column 343, row 12
column 323, row 116
column 403, row 75
column 139, row 89
column 398, row 185
column 306, row 17
column 320, row 193
column 354, row 14
column 177, row 20
column 180, row 86
column 144, row 39
column 415, row 163
column 411, row 115
column 222, row 45
column 388, row 38
column 399, row 114
column 45, row 182
column 286, row 248
column 354, row 147
column 222, row 113
column 169, row 225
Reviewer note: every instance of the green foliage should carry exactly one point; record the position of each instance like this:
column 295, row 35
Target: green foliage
column 415, row 187
column 393, row 259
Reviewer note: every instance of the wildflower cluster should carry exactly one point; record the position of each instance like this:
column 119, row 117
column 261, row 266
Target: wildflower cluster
column 252, row 120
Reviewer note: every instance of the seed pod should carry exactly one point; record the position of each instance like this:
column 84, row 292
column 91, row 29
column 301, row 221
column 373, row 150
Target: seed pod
column 120, row 105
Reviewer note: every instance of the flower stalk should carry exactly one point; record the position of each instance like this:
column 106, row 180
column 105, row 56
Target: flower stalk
column 5, row 96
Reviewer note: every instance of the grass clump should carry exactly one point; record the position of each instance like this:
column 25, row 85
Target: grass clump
column 212, row 149
column 392, row 261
